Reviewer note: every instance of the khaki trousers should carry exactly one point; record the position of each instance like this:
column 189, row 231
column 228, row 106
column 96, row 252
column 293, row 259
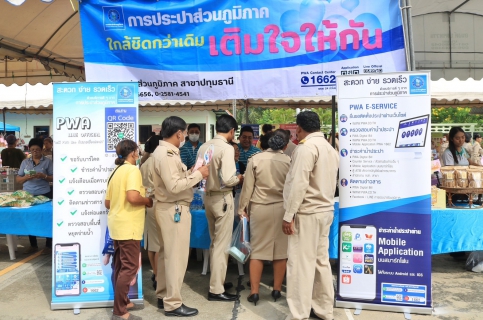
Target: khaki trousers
column 174, row 243
column 221, row 228
column 309, row 276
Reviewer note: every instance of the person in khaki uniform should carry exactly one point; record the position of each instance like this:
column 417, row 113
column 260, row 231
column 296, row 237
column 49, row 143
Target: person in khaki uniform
column 263, row 190
column 173, row 193
column 219, row 203
column 151, row 238
column 309, row 210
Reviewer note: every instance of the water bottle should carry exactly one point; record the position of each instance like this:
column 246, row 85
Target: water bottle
column 200, row 200
column 195, row 204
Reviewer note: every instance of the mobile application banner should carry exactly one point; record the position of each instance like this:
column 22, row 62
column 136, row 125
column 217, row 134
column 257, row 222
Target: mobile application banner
column 234, row 49
column 385, row 194
column 90, row 119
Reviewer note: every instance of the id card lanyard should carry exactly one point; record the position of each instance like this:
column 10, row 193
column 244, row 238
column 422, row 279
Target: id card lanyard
column 177, row 213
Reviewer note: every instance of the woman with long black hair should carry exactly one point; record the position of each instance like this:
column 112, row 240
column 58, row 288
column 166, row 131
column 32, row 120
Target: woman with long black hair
column 456, row 155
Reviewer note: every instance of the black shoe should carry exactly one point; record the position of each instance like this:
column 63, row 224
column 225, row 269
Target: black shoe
column 253, row 298
column 182, row 311
column 276, row 295
column 222, row 297
column 313, row 315
column 227, row 285
column 160, row 304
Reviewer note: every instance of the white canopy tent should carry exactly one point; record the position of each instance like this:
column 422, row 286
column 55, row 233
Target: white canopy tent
column 447, row 38
column 40, row 41
column 39, row 98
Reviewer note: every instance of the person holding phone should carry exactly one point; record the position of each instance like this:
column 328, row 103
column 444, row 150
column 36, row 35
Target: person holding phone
column 35, row 173
column 219, row 202
column 174, row 184
column 126, row 201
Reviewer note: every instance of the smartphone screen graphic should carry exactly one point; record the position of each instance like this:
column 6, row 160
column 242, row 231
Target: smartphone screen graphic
column 67, row 269
column 357, row 274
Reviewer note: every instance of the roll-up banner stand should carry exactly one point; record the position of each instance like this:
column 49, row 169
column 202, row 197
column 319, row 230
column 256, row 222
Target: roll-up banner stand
column 385, row 202
column 90, row 119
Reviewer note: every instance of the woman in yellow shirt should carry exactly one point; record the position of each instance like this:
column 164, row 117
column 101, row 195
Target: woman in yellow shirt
column 126, row 201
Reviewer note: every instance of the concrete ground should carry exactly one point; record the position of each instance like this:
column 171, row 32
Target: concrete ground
column 25, row 293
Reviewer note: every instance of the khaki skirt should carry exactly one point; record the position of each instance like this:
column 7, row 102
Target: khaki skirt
column 151, row 234
column 267, row 239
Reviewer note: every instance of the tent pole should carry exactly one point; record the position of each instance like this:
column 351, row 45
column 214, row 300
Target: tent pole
column 334, row 110
column 4, row 123
column 412, row 58
column 403, row 5
column 246, row 111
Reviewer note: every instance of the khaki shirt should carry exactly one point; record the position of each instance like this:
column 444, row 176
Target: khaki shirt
column 264, row 178
column 311, row 180
column 290, row 148
column 222, row 165
column 172, row 180
column 147, row 170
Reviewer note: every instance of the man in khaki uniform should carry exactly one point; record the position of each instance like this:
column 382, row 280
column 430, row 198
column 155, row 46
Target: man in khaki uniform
column 290, row 146
column 219, row 203
column 173, row 184
column 309, row 211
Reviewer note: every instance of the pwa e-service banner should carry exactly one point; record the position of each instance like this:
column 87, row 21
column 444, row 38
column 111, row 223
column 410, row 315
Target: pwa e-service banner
column 90, row 119
column 385, row 201
column 238, row 49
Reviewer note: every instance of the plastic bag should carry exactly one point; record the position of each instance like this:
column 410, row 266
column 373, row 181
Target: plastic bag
column 240, row 248
column 475, row 261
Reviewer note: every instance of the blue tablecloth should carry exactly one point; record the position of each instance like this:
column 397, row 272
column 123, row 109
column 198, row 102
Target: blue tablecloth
column 35, row 221
column 452, row 230
column 456, row 230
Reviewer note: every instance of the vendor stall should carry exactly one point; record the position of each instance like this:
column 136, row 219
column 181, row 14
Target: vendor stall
column 35, row 220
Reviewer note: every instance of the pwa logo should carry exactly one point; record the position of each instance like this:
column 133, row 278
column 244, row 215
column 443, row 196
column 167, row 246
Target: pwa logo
column 73, row 123
column 125, row 92
column 113, row 17
column 418, row 84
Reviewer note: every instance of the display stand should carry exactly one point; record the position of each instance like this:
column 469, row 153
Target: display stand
column 469, row 192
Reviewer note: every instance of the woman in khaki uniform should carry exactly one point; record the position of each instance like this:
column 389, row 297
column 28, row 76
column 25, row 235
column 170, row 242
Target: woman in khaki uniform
column 263, row 191
column 476, row 148
column 151, row 237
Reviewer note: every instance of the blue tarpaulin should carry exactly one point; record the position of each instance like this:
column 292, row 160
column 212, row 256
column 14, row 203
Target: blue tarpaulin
column 8, row 127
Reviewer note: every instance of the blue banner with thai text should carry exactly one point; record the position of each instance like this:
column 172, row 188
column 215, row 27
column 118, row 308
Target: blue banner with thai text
column 220, row 49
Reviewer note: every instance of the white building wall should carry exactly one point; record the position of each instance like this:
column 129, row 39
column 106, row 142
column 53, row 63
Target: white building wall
column 199, row 117
column 26, row 122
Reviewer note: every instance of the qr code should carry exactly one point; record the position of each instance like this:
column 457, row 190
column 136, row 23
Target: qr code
column 399, row 297
column 118, row 131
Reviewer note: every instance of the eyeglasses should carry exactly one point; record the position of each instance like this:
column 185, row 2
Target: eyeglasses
column 35, row 150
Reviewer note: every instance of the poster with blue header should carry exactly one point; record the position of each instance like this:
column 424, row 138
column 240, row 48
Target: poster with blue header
column 239, row 49
column 90, row 119
column 385, row 194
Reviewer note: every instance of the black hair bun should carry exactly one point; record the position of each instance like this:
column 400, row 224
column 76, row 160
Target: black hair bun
column 276, row 142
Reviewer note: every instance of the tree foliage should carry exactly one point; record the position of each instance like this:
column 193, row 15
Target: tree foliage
column 258, row 115
column 454, row 115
